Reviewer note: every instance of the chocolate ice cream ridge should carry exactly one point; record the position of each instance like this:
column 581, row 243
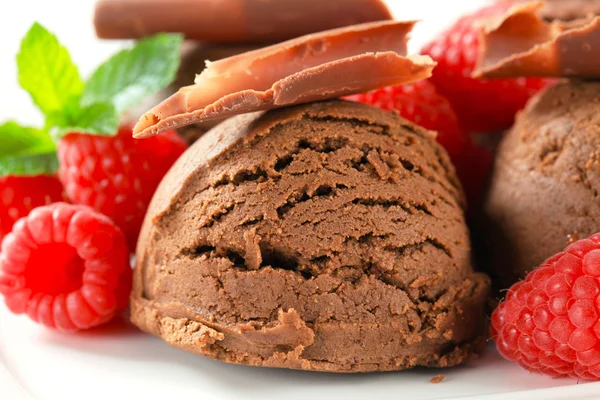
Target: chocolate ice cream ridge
column 314, row 67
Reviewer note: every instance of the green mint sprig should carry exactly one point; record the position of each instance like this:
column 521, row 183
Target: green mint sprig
column 70, row 104
column 47, row 72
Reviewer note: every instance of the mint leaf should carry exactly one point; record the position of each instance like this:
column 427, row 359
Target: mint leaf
column 17, row 139
column 26, row 151
column 31, row 165
column 130, row 75
column 46, row 70
column 98, row 118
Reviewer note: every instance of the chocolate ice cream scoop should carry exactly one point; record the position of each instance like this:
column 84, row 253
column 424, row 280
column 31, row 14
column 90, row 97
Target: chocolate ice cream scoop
column 328, row 236
column 546, row 180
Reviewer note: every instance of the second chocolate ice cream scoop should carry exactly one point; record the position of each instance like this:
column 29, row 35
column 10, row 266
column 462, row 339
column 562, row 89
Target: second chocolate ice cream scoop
column 546, row 180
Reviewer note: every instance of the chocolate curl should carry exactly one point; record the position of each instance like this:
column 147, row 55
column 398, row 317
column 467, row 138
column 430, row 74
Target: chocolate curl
column 321, row 66
column 232, row 21
column 521, row 44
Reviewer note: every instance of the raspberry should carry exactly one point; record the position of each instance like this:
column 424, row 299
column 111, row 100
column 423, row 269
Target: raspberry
column 550, row 322
column 66, row 267
column 421, row 103
column 20, row 194
column 481, row 105
column 117, row 176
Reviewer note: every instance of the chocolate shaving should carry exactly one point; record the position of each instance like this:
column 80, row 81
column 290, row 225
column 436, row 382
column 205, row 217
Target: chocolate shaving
column 521, row 43
column 232, row 21
column 321, row 66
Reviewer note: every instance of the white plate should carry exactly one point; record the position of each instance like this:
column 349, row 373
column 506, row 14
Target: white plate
column 118, row 360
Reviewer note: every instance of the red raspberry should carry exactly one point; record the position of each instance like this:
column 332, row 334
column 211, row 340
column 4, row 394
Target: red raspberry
column 481, row 105
column 117, row 175
column 66, row 266
column 549, row 322
column 21, row 194
column 421, row 103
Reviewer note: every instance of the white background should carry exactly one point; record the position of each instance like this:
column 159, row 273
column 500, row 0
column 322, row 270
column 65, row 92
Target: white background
column 120, row 361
